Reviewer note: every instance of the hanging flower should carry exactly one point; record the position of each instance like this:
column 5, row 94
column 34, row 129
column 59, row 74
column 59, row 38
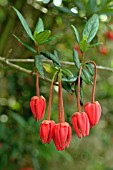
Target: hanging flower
column 81, row 124
column 93, row 111
column 62, row 135
column 46, row 131
column 80, row 119
column 38, row 106
column 62, row 130
column 38, row 103
column 47, row 126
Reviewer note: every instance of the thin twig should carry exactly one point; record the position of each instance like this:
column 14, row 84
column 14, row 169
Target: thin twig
column 49, row 61
column 17, row 67
column 7, row 62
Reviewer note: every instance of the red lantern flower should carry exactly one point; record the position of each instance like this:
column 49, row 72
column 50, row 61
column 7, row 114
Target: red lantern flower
column 93, row 111
column 62, row 135
column 81, row 124
column 103, row 50
column 109, row 35
column 38, row 106
column 46, row 131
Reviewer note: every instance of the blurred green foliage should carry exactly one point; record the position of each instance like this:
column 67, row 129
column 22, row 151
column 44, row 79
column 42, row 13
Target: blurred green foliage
column 20, row 146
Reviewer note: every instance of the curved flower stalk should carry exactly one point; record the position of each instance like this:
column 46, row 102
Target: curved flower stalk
column 80, row 119
column 47, row 126
column 93, row 109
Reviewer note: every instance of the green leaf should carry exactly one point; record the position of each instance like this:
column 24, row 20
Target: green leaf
column 94, row 45
column 90, row 68
column 25, row 45
column 86, row 76
column 66, row 72
column 107, row 11
column 83, row 44
column 71, row 80
column 67, row 87
column 76, row 59
column 39, row 26
column 41, row 37
column 51, row 57
column 49, row 68
column 76, row 33
column 56, row 56
column 24, row 23
column 91, row 28
column 52, row 38
column 39, row 65
column 93, row 5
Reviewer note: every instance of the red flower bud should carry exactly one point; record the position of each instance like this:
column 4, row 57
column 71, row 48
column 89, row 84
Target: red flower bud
column 109, row 35
column 103, row 50
column 93, row 111
column 46, row 131
column 81, row 124
column 62, row 135
column 38, row 106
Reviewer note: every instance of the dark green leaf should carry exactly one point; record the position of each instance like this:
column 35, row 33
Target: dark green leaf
column 51, row 57
column 52, row 38
column 24, row 23
column 76, row 59
column 107, row 11
column 94, row 45
column 76, row 33
column 39, row 26
column 41, row 37
column 66, row 72
column 71, row 80
column 49, row 68
column 91, row 28
column 83, row 44
column 25, row 45
column 39, row 65
column 102, row 4
column 56, row 56
column 86, row 76
column 67, row 87
column 93, row 5
column 90, row 68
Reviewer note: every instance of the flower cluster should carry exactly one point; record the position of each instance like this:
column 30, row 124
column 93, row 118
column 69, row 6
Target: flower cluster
column 61, row 132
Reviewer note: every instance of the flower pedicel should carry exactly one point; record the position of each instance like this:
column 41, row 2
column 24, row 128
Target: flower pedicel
column 93, row 109
column 62, row 130
column 46, row 127
column 80, row 119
